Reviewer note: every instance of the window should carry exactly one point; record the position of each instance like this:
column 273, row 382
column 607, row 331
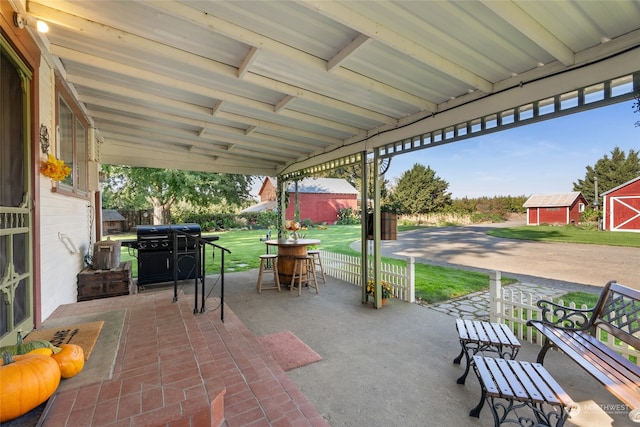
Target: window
column 72, row 143
column 580, row 207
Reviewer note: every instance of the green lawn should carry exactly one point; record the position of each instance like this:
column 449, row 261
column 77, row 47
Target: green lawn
column 568, row 234
column 433, row 283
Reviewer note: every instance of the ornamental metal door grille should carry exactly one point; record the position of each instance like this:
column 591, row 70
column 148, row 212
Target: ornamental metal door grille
column 16, row 284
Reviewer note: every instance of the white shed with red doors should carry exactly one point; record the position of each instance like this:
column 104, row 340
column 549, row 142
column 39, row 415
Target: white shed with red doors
column 621, row 207
column 555, row 209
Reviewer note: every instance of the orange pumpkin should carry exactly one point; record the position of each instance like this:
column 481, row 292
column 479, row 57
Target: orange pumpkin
column 25, row 383
column 70, row 360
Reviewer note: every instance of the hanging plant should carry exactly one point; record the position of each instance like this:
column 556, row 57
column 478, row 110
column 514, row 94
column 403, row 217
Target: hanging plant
column 55, row 169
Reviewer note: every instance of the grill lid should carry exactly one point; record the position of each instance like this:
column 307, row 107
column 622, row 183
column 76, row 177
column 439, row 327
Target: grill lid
column 153, row 231
column 190, row 228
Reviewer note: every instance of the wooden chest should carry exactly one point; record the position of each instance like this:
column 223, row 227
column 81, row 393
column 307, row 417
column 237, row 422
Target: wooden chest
column 93, row 284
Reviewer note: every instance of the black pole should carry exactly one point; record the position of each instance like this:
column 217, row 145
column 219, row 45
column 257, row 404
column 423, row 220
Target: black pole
column 200, row 271
column 175, row 266
column 222, row 286
column 196, row 254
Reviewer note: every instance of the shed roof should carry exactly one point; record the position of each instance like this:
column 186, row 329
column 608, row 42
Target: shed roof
column 112, row 215
column 552, row 200
column 262, row 207
column 324, row 186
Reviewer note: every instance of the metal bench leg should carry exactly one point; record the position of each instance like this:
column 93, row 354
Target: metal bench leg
column 475, row 412
column 543, row 351
column 463, row 378
column 459, row 357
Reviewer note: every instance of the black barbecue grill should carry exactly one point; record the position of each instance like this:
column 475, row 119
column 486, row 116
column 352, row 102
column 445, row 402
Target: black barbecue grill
column 155, row 245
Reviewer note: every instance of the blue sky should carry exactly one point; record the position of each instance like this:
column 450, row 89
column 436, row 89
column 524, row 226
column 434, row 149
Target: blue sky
column 546, row 157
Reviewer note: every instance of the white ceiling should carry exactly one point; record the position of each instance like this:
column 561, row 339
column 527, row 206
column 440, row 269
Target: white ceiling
column 253, row 87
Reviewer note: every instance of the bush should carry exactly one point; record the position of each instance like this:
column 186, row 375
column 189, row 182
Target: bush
column 260, row 220
column 482, row 218
column 347, row 216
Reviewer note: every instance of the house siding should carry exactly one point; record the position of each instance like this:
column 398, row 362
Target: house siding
column 552, row 215
column 62, row 217
column 316, row 207
column 321, row 208
column 268, row 192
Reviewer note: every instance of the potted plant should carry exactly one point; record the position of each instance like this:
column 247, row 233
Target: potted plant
column 292, row 227
column 385, row 288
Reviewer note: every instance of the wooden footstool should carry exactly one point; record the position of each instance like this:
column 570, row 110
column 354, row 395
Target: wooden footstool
column 520, row 393
column 476, row 336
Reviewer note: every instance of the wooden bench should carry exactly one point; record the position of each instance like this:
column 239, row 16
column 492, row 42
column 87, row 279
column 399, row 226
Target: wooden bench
column 573, row 331
column 521, row 385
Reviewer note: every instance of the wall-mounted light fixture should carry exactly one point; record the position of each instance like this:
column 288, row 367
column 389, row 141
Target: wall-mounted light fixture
column 21, row 21
column 42, row 26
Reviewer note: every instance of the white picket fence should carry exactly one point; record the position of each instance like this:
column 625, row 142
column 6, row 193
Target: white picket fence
column 516, row 308
column 348, row 267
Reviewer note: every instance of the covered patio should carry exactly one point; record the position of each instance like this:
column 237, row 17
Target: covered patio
column 277, row 88
column 379, row 367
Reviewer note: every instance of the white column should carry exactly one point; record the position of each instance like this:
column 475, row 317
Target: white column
column 411, row 278
column 495, row 296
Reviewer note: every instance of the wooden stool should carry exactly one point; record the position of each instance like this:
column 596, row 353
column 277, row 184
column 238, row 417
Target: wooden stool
column 317, row 261
column 265, row 260
column 303, row 270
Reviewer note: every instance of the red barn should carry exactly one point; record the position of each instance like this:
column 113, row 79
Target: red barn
column 621, row 207
column 559, row 208
column 320, row 198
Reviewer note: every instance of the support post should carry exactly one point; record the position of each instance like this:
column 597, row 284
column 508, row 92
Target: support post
column 377, row 256
column 364, row 249
column 411, row 279
column 495, row 297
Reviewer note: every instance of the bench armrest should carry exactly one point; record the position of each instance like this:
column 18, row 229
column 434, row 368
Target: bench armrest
column 562, row 317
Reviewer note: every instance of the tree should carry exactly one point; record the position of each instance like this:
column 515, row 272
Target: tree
column 611, row 172
column 419, row 190
column 137, row 188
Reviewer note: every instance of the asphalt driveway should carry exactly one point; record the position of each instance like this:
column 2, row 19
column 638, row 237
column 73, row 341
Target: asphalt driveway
column 563, row 264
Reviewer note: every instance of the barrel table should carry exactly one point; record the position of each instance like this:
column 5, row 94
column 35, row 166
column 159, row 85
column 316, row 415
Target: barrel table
column 288, row 251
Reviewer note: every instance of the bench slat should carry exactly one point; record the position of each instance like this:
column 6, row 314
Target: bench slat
column 462, row 329
column 497, row 335
column 605, row 360
column 559, row 392
column 601, row 364
column 483, row 370
column 546, row 392
column 469, row 330
column 481, row 333
column 498, row 377
column 519, row 389
column 628, row 369
column 509, row 337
